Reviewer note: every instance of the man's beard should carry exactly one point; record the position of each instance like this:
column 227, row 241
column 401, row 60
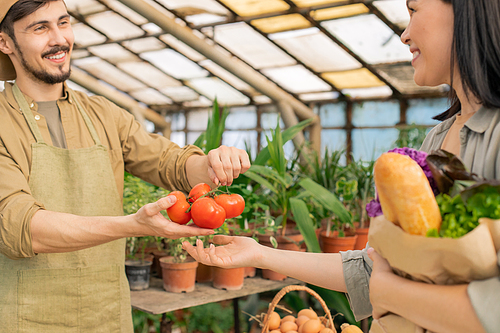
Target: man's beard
column 43, row 76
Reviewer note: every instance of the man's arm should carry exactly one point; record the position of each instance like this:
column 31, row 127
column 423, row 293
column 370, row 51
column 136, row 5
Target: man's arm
column 54, row 232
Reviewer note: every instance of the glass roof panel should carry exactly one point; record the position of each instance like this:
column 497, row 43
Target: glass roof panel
column 316, row 50
column 77, row 54
column 130, row 14
column 180, row 94
column 250, row 46
column 85, row 35
column 114, row 26
column 319, row 96
column 281, row 23
column 383, row 91
column 201, row 102
column 261, row 99
column 174, row 64
column 194, row 7
column 144, row 45
column 84, row 7
column 151, row 96
column 357, row 78
column 370, row 38
column 182, row 48
column 311, row 3
column 225, row 75
column 256, row 7
column 401, row 77
column 109, row 73
column 395, row 11
column 202, row 19
column 213, row 87
column 148, row 74
column 339, row 12
column 113, row 53
column 151, row 28
column 296, row 79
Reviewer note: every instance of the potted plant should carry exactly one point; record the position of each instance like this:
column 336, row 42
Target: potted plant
column 138, row 262
column 178, row 269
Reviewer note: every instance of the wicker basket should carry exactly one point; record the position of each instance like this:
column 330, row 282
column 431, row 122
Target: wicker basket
column 283, row 292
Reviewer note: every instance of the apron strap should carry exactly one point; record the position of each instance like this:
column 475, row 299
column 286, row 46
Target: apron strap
column 28, row 114
column 23, row 104
column 87, row 120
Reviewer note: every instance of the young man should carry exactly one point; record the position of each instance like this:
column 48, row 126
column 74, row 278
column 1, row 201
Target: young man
column 62, row 160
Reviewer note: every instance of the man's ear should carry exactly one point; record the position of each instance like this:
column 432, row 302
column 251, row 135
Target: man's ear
column 6, row 43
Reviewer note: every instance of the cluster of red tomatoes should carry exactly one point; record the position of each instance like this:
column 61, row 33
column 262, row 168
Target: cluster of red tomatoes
column 205, row 207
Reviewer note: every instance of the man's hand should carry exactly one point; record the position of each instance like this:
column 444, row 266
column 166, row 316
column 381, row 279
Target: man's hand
column 155, row 224
column 226, row 163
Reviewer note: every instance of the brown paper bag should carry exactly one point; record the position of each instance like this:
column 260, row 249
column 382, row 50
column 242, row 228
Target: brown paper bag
column 442, row 261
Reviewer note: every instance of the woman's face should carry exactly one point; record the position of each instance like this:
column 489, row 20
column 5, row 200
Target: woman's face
column 429, row 36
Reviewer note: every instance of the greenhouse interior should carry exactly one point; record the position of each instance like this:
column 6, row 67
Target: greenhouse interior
column 167, row 60
column 314, row 91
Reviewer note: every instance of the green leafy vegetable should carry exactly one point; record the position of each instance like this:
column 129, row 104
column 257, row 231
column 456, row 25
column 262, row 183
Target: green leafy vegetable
column 461, row 217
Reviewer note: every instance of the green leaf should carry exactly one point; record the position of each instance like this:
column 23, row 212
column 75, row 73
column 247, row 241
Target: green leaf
column 305, row 224
column 262, row 181
column 287, row 135
column 337, row 301
column 327, row 199
column 269, row 173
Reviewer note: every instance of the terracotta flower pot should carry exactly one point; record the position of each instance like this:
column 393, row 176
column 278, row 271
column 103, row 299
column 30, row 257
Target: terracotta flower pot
column 334, row 244
column 178, row 277
column 228, row 278
column 287, row 242
column 250, row 271
column 156, row 268
column 362, row 238
column 204, row 273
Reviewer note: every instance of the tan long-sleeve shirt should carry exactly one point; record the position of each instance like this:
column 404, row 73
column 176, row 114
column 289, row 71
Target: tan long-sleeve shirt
column 148, row 156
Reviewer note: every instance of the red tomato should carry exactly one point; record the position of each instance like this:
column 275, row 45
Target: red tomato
column 197, row 191
column 233, row 204
column 206, row 213
column 177, row 212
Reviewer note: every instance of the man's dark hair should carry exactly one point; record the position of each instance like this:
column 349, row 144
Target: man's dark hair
column 18, row 11
column 476, row 50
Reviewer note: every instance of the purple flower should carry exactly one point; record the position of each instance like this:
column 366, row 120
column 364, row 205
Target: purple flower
column 373, row 208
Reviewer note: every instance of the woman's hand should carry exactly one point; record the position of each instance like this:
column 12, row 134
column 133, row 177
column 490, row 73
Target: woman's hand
column 153, row 223
column 226, row 163
column 235, row 252
column 381, row 275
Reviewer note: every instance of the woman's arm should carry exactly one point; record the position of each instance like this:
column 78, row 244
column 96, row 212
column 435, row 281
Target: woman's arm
column 321, row 269
column 436, row 308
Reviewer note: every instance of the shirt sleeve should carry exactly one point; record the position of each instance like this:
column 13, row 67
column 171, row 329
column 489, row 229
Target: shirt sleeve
column 152, row 157
column 357, row 267
column 485, row 299
column 17, row 207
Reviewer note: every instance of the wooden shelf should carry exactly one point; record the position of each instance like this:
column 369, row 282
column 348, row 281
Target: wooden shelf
column 156, row 300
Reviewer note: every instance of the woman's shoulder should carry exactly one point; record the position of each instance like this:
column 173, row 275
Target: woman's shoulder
column 436, row 135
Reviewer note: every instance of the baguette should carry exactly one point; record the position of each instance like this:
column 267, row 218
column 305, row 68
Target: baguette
column 405, row 194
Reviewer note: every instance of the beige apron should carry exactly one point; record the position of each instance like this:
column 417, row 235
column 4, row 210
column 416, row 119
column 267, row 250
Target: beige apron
column 81, row 291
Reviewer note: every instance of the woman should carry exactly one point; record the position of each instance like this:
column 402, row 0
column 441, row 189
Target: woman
column 454, row 42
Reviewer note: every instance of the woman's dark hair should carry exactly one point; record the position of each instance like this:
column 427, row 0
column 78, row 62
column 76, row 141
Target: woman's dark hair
column 18, row 11
column 476, row 51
